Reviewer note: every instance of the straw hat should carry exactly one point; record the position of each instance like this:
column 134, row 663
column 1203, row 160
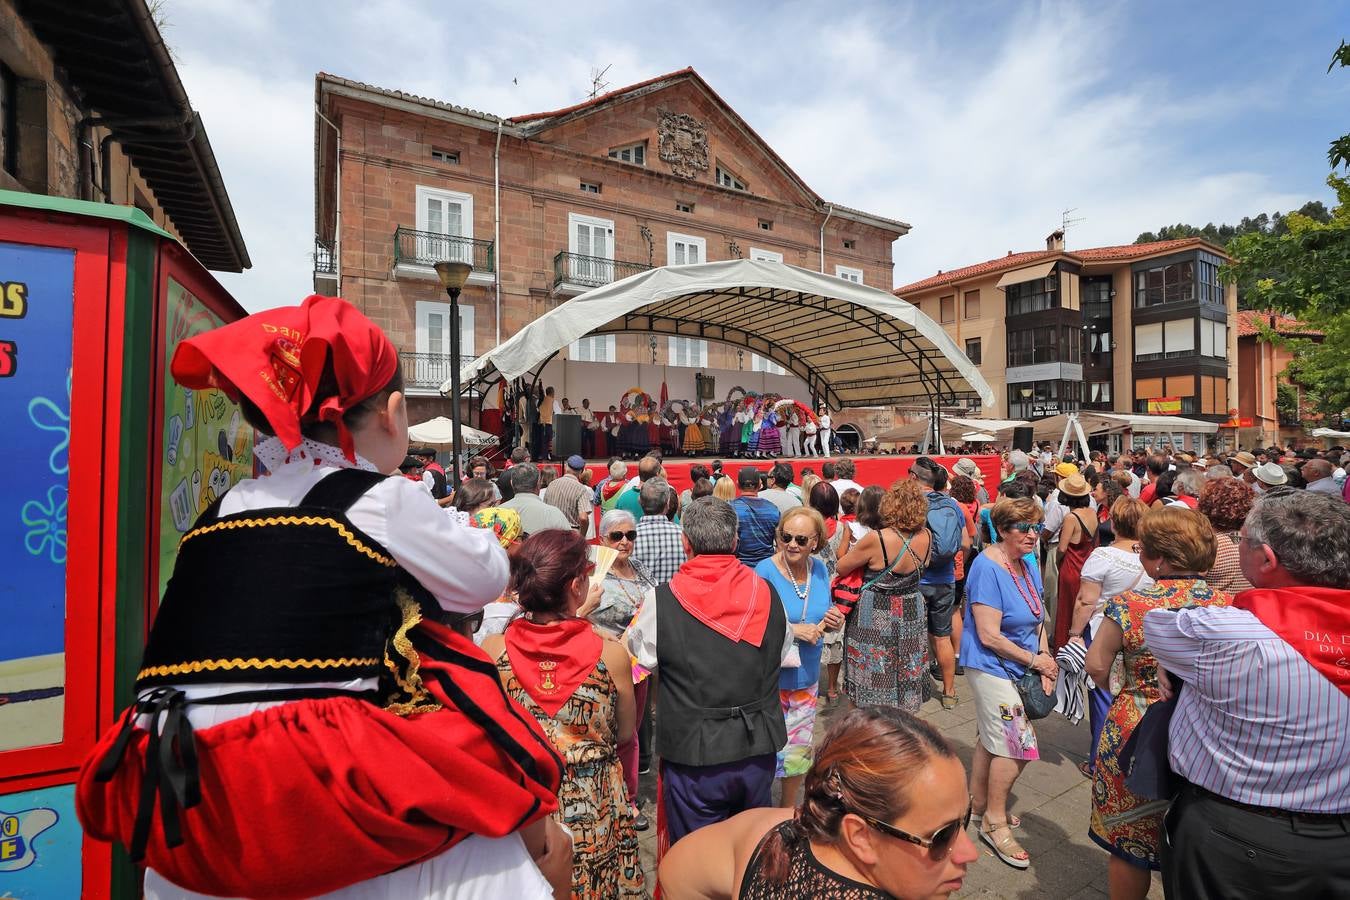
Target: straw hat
column 967, row 467
column 1075, row 486
column 1244, row 459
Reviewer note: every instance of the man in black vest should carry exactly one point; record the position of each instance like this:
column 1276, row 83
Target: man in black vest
column 724, row 637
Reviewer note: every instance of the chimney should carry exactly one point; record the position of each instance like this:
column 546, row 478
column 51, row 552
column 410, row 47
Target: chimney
column 1055, row 242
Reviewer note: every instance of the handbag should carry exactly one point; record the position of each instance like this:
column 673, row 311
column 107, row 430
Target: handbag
column 1143, row 757
column 1036, row 703
column 847, row 590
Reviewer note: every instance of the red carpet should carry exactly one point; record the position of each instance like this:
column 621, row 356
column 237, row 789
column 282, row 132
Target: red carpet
column 878, row 470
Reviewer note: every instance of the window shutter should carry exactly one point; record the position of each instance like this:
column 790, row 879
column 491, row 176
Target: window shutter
column 1147, row 340
column 1179, row 335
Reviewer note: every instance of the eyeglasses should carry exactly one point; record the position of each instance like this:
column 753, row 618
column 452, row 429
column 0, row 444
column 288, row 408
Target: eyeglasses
column 1028, row 527
column 938, row 845
column 617, row 536
column 801, row 539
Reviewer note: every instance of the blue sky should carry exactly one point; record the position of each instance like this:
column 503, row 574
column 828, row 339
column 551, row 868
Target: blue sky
column 978, row 123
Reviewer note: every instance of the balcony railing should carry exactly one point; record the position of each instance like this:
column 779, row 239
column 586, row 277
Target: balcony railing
column 325, row 259
column 591, row 271
column 428, row 371
column 426, row 248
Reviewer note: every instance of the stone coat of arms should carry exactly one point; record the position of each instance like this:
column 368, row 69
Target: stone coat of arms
column 682, row 142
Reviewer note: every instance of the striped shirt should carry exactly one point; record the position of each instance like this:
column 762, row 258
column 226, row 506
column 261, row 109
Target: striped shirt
column 1256, row 723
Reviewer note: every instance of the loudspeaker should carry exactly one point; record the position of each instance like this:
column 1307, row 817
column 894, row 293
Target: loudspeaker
column 1022, row 439
column 566, row 436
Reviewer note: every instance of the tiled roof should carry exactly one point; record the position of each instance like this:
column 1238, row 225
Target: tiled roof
column 596, row 101
column 1011, row 261
column 404, row 95
column 1281, row 324
column 1089, row 255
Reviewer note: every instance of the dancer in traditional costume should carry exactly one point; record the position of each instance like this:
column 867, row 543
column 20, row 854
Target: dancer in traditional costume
column 729, row 432
column 305, row 724
column 695, row 444
column 770, row 439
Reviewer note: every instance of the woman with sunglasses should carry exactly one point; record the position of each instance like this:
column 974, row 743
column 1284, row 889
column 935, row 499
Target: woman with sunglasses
column 1004, row 636
column 802, row 583
column 577, row 683
column 626, row 586
column 884, row 817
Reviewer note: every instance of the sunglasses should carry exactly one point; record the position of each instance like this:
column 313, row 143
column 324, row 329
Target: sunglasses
column 1028, row 527
column 801, row 539
column 617, row 536
column 938, row 845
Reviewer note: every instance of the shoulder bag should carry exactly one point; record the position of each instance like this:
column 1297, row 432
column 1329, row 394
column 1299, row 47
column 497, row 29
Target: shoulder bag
column 1036, row 703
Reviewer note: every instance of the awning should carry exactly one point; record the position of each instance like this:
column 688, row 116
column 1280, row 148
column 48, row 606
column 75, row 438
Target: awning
column 1105, row 423
column 852, row 344
column 437, row 433
column 1029, row 273
column 1329, row 433
column 953, row 428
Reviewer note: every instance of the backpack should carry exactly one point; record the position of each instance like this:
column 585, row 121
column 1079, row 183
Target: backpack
column 947, row 523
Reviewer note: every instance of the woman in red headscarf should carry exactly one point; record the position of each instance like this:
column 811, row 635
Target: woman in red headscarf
column 579, row 685
column 304, row 722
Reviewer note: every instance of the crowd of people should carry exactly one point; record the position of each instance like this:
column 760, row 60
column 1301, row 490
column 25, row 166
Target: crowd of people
column 408, row 696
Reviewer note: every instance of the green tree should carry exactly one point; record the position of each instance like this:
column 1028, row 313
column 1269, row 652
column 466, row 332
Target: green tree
column 1304, row 271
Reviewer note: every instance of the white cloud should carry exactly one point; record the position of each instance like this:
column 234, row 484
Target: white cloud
column 978, row 130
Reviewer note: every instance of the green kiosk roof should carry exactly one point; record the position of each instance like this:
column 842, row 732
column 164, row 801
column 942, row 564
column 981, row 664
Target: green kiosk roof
column 128, row 214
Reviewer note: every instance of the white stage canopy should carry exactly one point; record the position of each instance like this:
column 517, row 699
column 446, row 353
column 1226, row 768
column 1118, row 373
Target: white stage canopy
column 1105, row 423
column 852, row 344
column 953, row 428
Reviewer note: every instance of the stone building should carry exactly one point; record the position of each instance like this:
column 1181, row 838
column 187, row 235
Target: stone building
column 549, row 205
column 91, row 108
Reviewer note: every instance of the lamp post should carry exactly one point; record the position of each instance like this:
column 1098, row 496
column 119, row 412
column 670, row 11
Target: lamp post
column 452, row 276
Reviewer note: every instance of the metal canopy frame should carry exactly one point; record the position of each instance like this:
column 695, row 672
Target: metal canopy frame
column 848, row 353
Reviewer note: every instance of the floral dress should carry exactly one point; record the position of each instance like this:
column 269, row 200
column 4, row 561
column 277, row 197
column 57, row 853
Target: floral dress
column 886, row 640
column 593, row 800
column 1128, row 826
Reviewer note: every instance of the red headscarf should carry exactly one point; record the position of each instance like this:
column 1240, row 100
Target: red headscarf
column 276, row 359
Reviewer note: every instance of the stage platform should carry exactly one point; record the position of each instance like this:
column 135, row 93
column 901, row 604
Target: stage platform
column 879, row 470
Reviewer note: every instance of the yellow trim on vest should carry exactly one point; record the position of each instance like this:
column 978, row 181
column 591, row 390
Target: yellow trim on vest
column 341, row 529
column 214, row 665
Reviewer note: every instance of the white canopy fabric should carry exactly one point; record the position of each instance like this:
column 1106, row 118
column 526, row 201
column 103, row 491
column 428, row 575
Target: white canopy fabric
column 953, row 428
column 1329, row 433
column 437, row 433
column 1100, row 423
column 852, row 344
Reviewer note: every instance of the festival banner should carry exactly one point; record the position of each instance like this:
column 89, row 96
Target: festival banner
column 37, row 304
column 208, row 446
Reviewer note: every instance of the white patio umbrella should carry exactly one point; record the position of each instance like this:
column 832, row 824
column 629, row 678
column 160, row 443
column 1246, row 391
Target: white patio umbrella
column 436, row 433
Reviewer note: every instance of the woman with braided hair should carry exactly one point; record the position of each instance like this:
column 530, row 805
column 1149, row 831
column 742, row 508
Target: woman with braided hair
column 884, row 816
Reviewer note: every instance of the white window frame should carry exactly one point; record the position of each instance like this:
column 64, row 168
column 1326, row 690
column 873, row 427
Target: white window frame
column 616, row 153
column 848, row 273
column 689, row 240
column 766, row 255
column 428, row 246
column 737, row 184
column 428, row 371
column 762, row 364
column 591, row 272
column 695, row 352
column 590, row 187
column 593, row 348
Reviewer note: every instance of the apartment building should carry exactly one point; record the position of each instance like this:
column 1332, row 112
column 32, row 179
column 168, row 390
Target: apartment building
column 92, row 108
column 1139, row 328
column 549, row 205
column 1262, row 363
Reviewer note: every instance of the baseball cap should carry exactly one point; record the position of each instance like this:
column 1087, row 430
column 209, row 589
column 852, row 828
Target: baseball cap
column 576, row 463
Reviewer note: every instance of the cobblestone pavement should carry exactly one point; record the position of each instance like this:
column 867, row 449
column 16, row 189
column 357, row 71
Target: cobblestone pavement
column 1052, row 797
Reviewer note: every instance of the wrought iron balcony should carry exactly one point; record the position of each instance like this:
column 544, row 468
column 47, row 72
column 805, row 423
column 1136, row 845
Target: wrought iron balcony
column 426, row 248
column 585, row 272
column 325, row 258
column 426, row 372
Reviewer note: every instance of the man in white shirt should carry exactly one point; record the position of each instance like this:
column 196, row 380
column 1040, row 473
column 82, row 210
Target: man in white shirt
column 845, row 470
column 826, row 433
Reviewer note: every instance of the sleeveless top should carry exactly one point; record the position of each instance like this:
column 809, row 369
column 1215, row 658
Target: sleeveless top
column 806, row 877
column 297, row 592
column 891, row 580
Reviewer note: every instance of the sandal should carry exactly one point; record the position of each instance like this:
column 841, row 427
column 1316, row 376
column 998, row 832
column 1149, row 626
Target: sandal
column 831, row 696
column 949, row 701
column 1013, row 821
column 1005, row 848
column 1085, row 769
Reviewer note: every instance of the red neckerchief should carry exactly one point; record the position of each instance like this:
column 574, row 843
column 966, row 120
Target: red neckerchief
column 277, row 359
column 725, row 595
column 551, row 661
column 1312, row 620
column 612, row 488
column 1190, row 501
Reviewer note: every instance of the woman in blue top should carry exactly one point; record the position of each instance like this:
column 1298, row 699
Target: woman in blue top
column 803, row 586
column 1004, row 636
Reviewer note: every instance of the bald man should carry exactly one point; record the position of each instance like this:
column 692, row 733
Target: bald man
column 1319, row 475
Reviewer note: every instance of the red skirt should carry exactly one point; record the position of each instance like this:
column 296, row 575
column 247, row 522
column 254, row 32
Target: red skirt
column 314, row 795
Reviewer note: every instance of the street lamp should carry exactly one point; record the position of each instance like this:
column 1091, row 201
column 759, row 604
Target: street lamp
column 452, row 276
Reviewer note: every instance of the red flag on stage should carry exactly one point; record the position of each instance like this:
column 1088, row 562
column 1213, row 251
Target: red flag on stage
column 665, row 395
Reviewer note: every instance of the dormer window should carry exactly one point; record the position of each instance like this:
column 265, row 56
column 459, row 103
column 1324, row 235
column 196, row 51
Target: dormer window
column 632, row 153
column 728, row 180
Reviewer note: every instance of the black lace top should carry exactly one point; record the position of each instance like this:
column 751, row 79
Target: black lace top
column 806, row 877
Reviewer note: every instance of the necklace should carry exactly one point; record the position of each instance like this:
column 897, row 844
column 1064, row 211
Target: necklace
column 802, row 590
column 1029, row 593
